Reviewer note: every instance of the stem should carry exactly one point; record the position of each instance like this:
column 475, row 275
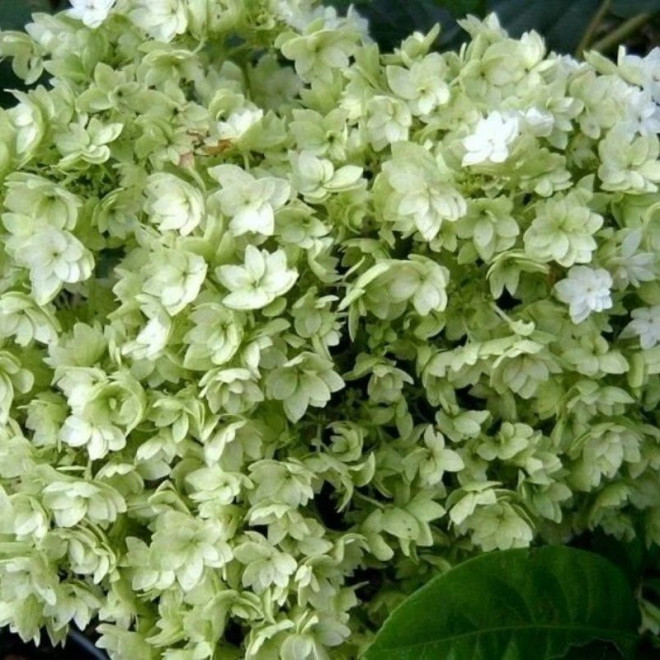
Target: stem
column 588, row 35
column 615, row 37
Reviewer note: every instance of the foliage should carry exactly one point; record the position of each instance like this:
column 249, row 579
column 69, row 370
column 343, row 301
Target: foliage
column 513, row 604
column 291, row 325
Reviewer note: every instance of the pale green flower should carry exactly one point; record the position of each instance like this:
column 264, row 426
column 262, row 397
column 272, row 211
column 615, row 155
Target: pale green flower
column 97, row 439
column 187, row 546
column 45, row 201
column 162, row 19
column 316, row 177
column 86, row 142
column 250, row 203
column 511, row 440
column 318, row 52
column 563, row 230
column 14, row 379
column 420, row 200
column 27, row 63
column 422, row 85
column 306, row 380
column 54, row 258
column 629, row 165
column 264, row 565
column 22, row 319
column 263, row 277
column 289, row 483
column 29, row 124
column 389, row 121
column 433, row 460
column 499, row 527
column 175, row 278
column 320, row 135
column 173, row 204
column 215, row 338
column 230, row 390
column 239, row 123
column 82, row 346
column 490, row 225
column 70, row 501
column 273, row 301
column 152, row 340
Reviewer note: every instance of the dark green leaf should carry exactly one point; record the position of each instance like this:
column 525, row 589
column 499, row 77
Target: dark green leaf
column 513, row 605
column 629, row 556
column 597, row 650
column 629, row 8
column 561, row 22
column 461, row 8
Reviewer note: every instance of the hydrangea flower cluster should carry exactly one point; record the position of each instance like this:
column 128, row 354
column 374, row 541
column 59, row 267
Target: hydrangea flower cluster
column 288, row 324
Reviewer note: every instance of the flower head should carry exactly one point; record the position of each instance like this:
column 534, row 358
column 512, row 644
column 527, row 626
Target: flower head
column 91, row 12
column 585, row 290
column 491, row 139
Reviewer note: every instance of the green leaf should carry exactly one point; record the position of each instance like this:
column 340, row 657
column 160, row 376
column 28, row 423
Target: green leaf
column 629, row 556
column 561, row 23
column 597, row 650
column 630, row 8
column 461, row 8
column 513, row 605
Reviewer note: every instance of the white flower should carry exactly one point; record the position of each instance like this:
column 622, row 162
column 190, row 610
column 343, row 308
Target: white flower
column 422, row 85
column 585, row 290
column 389, row 121
column 173, row 203
column 646, row 324
column 251, row 203
column 98, row 439
column 642, row 112
column 643, row 70
column 538, row 122
column 491, row 139
column 91, row 12
column 152, row 340
column 239, row 123
column 176, row 280
column 162, row 19
column 54, row 257
column 263, row 278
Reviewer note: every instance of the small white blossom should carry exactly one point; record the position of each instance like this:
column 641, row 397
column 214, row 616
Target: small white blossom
column 389, row 121
column 537, row 122
column 642, row 112
column 54, row 257
column 249, row 202
column 585, row 290
column 643, row 70
column 239, row 123
column 161, row 19
column 491, row 139
column 91, row 12
column 646, row 324
column 173, row 204
column 262, row 278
